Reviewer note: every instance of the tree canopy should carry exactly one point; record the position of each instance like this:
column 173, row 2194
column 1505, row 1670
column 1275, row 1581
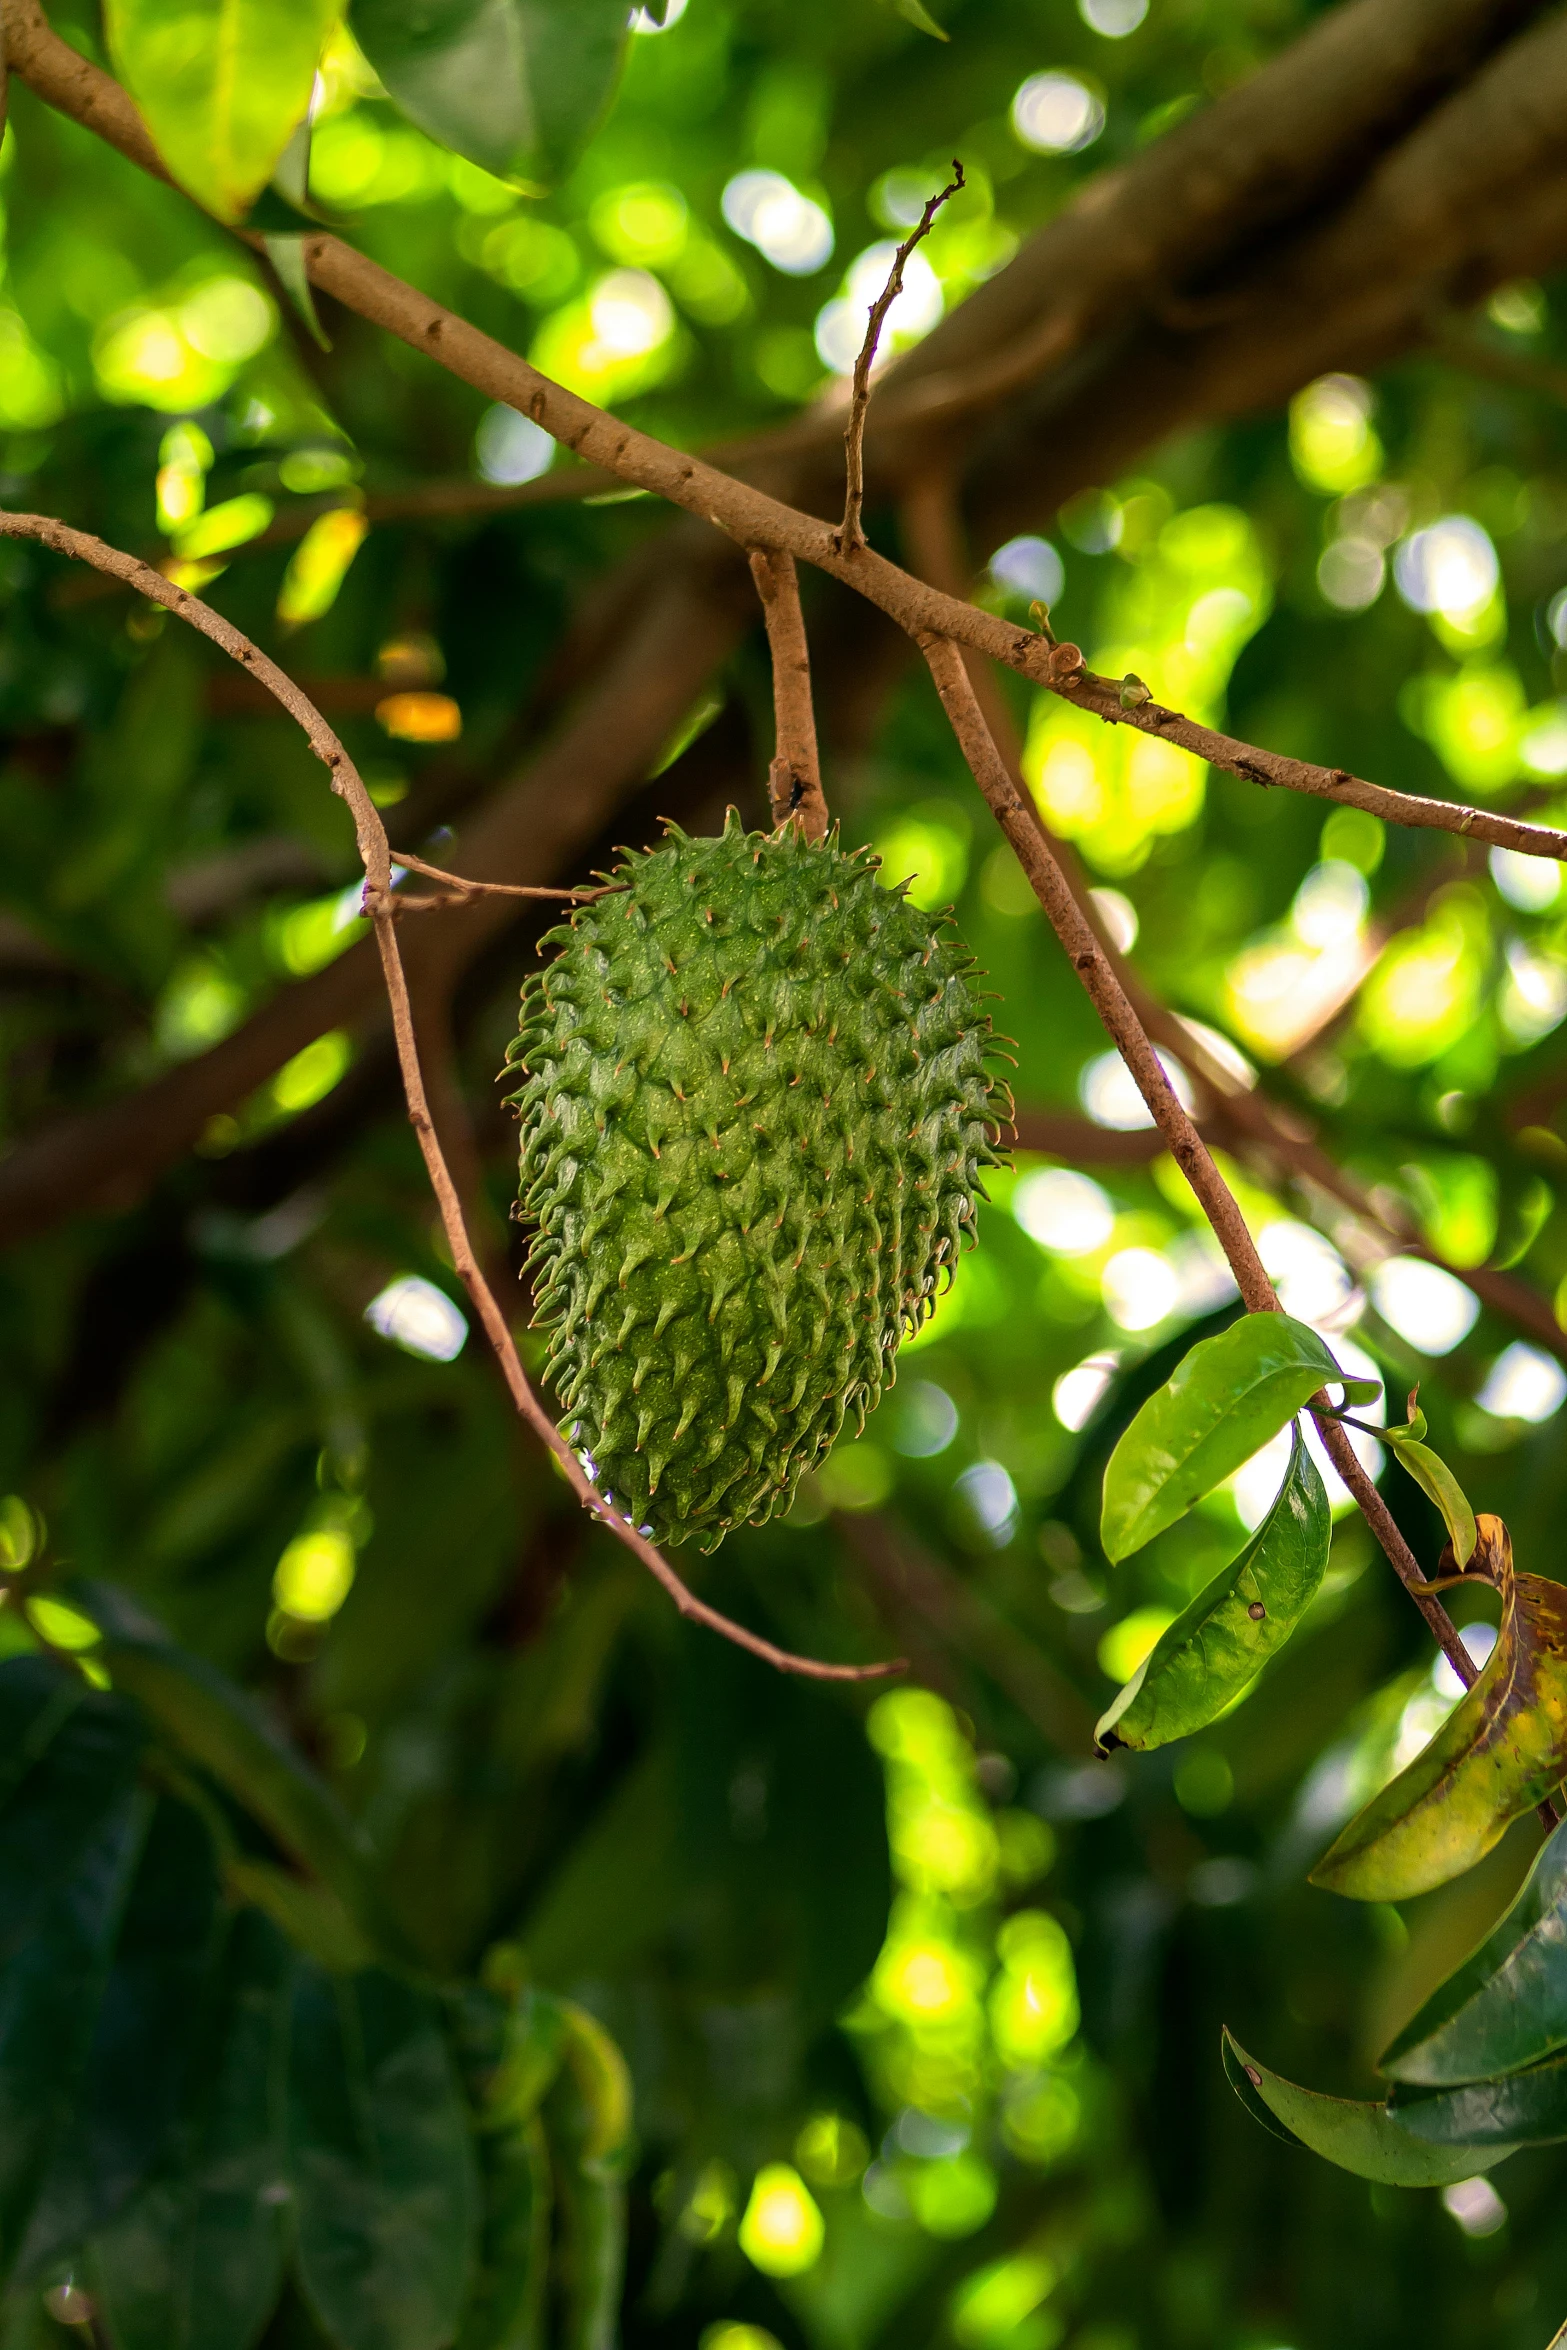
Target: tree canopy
column 1043, row 1886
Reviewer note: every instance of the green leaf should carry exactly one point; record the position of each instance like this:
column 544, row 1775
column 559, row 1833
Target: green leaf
column 223, row 85
column 196, row 2261
column 229, row 1735
column 1229, row 1395
column 1432, row 1474
column 588, row 2113
column 516, row 86
column 1359, row 2136
column 52, row 1988
column 287, row 256
column 143, row 2039
column 381, row 2162
column 509, row 2045
column 1221, row 1641
column 67, row 1753
column 1501, row 1750
column 919, row 15
column 1528, row 2108
column 506, row 2308
column 1506, row 2006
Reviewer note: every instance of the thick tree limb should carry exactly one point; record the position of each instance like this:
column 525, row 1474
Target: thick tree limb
column 1474, row 194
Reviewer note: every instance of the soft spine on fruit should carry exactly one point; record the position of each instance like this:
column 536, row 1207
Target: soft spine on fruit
column 754, row 1110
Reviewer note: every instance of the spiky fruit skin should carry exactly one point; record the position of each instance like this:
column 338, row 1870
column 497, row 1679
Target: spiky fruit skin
column 754, row 1111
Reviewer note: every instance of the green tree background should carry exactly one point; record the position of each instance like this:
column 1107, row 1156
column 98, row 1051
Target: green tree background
column 920, row 2003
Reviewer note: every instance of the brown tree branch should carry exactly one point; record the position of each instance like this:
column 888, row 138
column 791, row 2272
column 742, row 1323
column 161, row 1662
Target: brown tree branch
column 794, row 780
column 755, row 520
column 467, row 887
column 851, row 534
column 1185, row 1144
column 1088, row 960
column 1475, row 193
column 376, row 856
column 1273, row 770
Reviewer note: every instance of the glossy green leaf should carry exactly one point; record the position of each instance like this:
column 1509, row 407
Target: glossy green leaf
column 226, row 1732
column 1435, row 1479
column 287, row 256
column 515, row 85
column 589, row 2118
column 1224, row 1637
column 1501, row 1750
column 1528, row 2108
column 1357, row 2135
column 53, row 1984
column 1506, row 2006
column 196, row 2260
column 67, row 1753
column 506, row 2308
column 919, row 16
column 285, row 243
column 143, row 2040
column 510, row 2039
column 380, row 2157
column 223, row 85
column 1229, row 1395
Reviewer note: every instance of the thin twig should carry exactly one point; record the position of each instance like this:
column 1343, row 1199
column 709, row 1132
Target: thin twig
column 794, row 780
column 1190, row 1152
column 469, row 888
column 850, row 537
column 380, row 903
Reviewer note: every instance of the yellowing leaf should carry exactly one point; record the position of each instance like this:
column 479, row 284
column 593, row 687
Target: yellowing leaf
column 223, row 84
column 1501, row 1750
column 319, row 565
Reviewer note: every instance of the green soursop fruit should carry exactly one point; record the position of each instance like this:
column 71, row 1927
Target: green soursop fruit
column 754, row 1110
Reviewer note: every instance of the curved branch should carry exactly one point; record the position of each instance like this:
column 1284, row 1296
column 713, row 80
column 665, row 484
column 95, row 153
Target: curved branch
column 541, row 819
column 376, row 857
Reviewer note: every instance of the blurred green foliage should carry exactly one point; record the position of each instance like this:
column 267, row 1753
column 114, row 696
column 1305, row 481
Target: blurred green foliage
column 921, row 2004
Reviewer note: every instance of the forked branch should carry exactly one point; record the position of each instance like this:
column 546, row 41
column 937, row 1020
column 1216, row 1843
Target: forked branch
column 794, row 780
column 850, row 537
column 380, row 904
